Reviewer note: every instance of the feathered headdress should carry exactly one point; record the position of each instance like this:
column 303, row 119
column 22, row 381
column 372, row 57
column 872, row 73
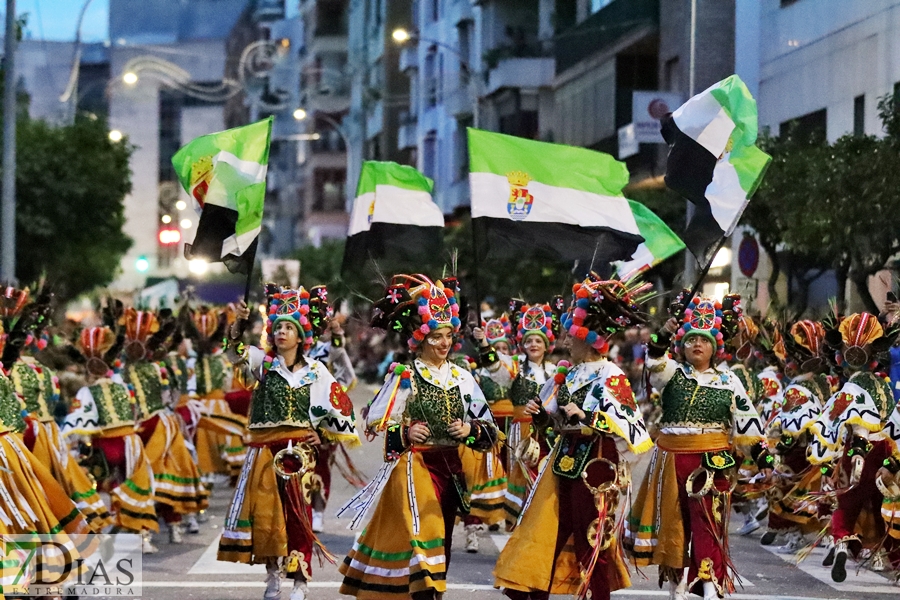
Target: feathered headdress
column 602, row 308
column 414, row 306
column 859, row 332
column 95, row 344
column 23, row 319
column 805, row 343
column 139, row 325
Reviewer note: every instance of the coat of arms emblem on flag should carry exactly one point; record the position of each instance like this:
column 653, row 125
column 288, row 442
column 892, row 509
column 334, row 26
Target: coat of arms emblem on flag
column 520, row 201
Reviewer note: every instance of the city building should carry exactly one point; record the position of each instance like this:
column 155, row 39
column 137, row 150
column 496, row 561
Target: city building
column 821, row 63
column 173, row 54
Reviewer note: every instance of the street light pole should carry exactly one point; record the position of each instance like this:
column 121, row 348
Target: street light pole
column 8, row 263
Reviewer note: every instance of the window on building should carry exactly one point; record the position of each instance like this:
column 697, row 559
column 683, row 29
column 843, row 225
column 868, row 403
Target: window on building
column 429, row 154
column 814, row 124
column 329, row 190
column 331, row 17
column 788, row 2
column 465, row 51
column 434, row 10
column 461, row 148
column 430, row 77
column 672, row 75
column 859, row 115
column 170, row 104
column 596, row 5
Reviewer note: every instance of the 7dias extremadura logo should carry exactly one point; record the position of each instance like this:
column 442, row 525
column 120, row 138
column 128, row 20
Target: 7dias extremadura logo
column 82, row 565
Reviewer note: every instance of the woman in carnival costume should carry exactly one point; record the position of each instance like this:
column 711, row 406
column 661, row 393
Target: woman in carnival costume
column 566, row 541
column 426, row 409
column 485, row 472
column 331, row 350
column 680, row 517
column 535, row 326
column 38, row 387
column 791, row 511
column 177, row 488
column 103, row 410
column 296, row 404
column 855, row 440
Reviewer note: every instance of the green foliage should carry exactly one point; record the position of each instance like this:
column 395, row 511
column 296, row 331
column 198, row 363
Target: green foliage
column 70, row 185
column 833, row 205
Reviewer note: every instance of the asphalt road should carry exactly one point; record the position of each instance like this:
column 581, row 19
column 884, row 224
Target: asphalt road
column 189, row 570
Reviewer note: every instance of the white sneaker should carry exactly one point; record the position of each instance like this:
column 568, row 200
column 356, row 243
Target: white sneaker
column 709, row 591
column 318, row 521
column 175, row 535
column 300, row 591
column 793, row 542
column 472, row 540
column 192, row 525
column 147, row 546
column 878, row 562
column 677, row 590
column 749, row 527
column 273, row 583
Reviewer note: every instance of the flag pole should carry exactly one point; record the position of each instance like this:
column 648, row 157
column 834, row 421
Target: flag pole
column 250, row 275
column 475, row 273
column 703, row 274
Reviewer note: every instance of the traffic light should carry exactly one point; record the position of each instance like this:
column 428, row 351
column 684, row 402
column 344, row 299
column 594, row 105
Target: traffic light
column 142, row 264
column 169, row 236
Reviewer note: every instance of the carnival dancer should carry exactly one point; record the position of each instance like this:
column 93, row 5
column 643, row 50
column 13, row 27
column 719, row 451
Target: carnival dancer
column 485, row 471
column 425, row 410
column 38, row 387
column 218, row 439
column 103, row 410
column 856, row 438
column 296, row 405
column 331, row 350
column 535, row 335
column 177, row 489
column 566, row 540
column 680, row 518
column 32, row 501
column 791, row 512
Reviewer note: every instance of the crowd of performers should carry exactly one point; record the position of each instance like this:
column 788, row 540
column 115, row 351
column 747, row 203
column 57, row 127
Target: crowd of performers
column 789, row 424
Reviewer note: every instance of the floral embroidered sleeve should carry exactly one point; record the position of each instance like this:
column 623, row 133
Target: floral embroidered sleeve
column 388, row 405
column 747, row 428
column 330, row 408
column 611, row 409
column 83, row 417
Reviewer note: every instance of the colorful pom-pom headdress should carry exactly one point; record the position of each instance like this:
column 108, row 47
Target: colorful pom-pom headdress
column 414, row 306
column 535, row 319
column 290, row 305
column 498, row 330
column 23, row 317
column 602, row 308
column 703, row 316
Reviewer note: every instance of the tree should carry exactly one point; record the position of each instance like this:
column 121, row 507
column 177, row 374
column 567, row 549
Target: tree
column 833, row 205
column 71, row 182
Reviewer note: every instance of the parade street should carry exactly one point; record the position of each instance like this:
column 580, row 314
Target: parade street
column 191, row 570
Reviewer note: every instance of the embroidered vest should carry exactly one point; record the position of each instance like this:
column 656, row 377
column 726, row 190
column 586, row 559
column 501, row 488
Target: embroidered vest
column 11, row 407
column 144, row 378
column 34, row 389
column 211, row 374
column 275, row 403
column 686, row 403
column 434, row 406
column 114, row 404
column 492, row 390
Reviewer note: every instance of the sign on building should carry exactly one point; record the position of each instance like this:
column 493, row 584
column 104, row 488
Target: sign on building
column 647, row 108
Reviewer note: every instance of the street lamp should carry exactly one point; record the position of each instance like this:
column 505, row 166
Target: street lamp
column 115, row 135
column 130, row 78
column 299, row 114
column 401, row 36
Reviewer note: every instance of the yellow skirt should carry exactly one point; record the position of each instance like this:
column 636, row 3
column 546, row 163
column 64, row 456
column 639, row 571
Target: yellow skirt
column 50, row 450
column 390, row 559
column 797, row 507
column 132, row 500
column 526, row 563
column 219, row 443
column 486, row 481
column 518, row 483
column 175, row 476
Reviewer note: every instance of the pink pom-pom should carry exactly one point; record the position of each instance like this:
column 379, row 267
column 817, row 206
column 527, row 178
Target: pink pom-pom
column 720, row 337
column 579, row 313
column 424, row 329
column 680, row 332
column 718, row 321
column 423, row 310
column 304, row 309
column 688, row 313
